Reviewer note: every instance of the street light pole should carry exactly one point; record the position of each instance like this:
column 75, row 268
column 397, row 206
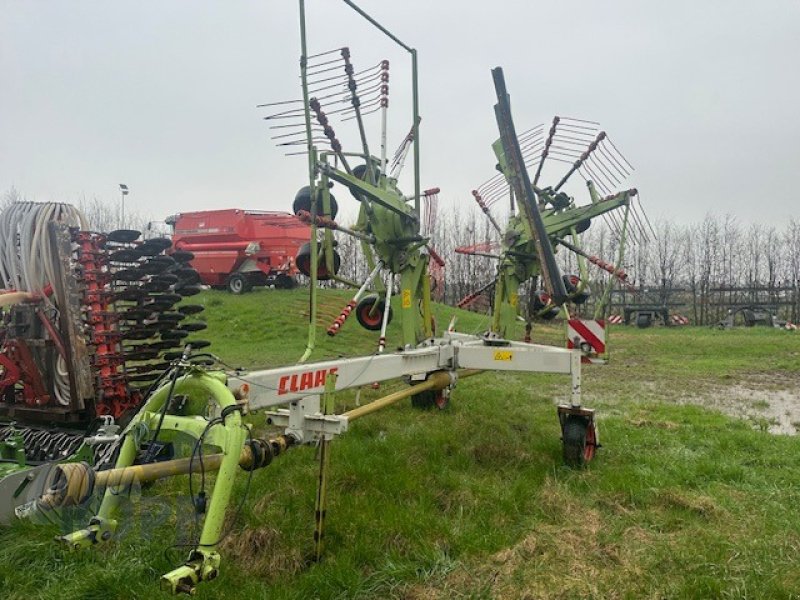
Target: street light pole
column 124, row 192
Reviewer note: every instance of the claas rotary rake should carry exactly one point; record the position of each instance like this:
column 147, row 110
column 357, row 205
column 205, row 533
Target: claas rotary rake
column 548, row 212
column 203, row 409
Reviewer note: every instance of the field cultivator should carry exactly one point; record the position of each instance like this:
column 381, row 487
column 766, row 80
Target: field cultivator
column 88, row 324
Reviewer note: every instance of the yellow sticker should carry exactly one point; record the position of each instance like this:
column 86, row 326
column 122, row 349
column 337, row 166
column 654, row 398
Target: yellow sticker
column 513, row 300
column 503, row 355
column 406, row 298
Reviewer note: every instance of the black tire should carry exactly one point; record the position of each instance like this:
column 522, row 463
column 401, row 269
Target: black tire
column 238, row 284
column 429, row 399
column 644, row 320
column 284, row 282
column 578, row 440
column 302, row 201
column 303, row 262
column 367, row 317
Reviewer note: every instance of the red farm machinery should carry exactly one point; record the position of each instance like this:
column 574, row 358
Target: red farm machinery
column 238, row 249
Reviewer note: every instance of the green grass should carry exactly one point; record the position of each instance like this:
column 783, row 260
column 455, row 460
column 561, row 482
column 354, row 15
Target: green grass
column 472, row 501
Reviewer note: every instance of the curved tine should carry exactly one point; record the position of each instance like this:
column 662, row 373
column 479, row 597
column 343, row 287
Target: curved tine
column 611, row 161
column 293, row 133
column 605, row 170
column 365, row 113
column 615, row 156
column 326, row 52
column 322, row 88
column 279, row 103
column 325, row 70
column 598, row 181
column 581, row 121
column 286, row 114
column 316, row 65
column 621, row 155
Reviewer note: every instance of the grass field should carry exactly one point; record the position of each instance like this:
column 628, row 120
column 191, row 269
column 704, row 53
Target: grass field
column 682, row 501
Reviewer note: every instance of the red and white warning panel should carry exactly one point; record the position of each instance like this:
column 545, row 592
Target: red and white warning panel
column 588, row 335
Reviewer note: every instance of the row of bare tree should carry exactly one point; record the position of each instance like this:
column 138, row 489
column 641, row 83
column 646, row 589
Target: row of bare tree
column 700, row 270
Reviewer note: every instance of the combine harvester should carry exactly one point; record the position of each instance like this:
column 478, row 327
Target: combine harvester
column 206, row 407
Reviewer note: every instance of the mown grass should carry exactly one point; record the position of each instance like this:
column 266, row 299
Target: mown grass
column 472, row 501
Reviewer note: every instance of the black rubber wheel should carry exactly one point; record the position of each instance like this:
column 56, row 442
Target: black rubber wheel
column 238, row 284
column 303, row 262
column 429, row 399
column 579, row 441
column 284, row 282
column 644, row 320
column 571, row 283
column 302, row 201
column 369, row 318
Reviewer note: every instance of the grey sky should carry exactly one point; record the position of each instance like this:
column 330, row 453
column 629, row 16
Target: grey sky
column 702, row 97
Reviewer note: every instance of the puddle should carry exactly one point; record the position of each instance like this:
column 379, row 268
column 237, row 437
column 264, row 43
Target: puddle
column 776, row 410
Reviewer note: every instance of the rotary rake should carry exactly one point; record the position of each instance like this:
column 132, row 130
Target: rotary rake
column 88, row 324
column 590, row 154
column 203, row 409
column 394, row 237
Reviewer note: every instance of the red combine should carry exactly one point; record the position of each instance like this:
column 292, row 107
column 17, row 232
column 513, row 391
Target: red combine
column 238, row 249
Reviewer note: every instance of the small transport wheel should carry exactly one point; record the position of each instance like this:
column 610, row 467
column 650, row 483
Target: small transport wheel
column 368, row 317
column 429, row 399
column 284, row 282
column 238, row 284
column 579, row 439
column 303, row 262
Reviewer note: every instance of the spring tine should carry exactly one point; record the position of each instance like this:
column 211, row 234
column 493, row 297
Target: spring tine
column 288, row 114
column 324, row 53
column 587, row 154
column 325, row 70
column 622, row 156
column 287, row 126
column 543, row 156
column 582, row 121
column 638, row 206
column 594, row 179
column 323, row 63
column 285, row 135
column 280, row 103
column 374, row 108
column 602, row 168
column 610, row 155
column 599, row 176
column 534, row 131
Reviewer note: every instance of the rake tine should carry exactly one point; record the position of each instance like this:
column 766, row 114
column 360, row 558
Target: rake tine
column 581, row 121
column 622, row 156
column 293, row 133
column 326, row 70
column 609, row 183
column 376, row 107
column 325, row 53
column 610, row 156
column 603, row 168
column 643, row 237
column 286, row 126
column 316, row 65
column 595, row 179
column 278, row 103
column 543, row 156
column 646, row 218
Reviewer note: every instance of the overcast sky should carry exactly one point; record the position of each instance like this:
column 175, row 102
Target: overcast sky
column 703, row 97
